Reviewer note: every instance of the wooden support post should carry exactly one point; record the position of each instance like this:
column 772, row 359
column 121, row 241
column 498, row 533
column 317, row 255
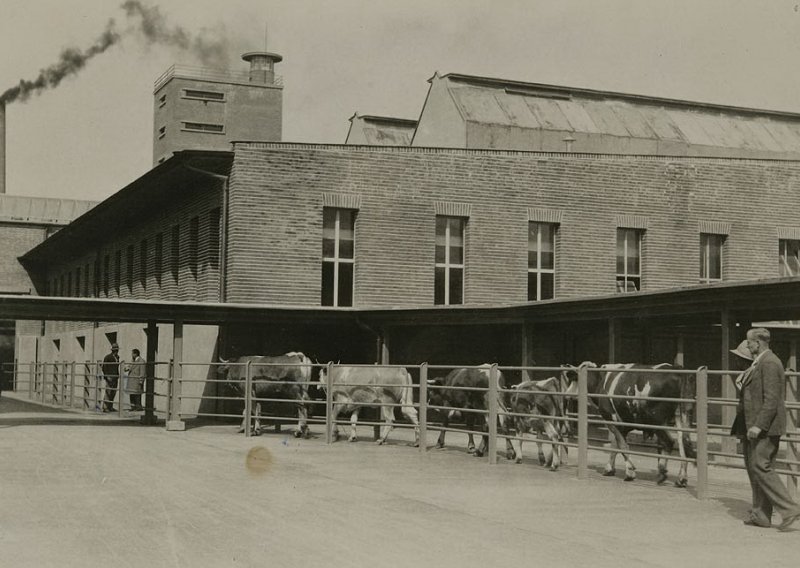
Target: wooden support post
column 493, row 412
column 583, row 423
column 792, row 417
column 526, row 336
column 701, row 417
column 174, row 422
column 330, row 419
column 385, row 356
column 614, row 329
column 248, row 399
column 728, row 386
column 423, row 408
column 31, row 380
column 72, row 385
column 149, row 417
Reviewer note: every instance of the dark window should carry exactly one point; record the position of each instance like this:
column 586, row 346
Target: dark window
column 338, row 256
column 69, row 284
column 203, row 95
column 213, row 237
column 162, row 132
column 629, row 260
column 158, row 260
column 449, row 261
column 129, row 269
column 78, row 281
column 541, row 260
column 143, row 264
column 106, row 274
column 176, row 251
column 789, row 252
column 711, row 257
column 86, row 277
column 96, row 283
column 202, row 127
column 194, row 238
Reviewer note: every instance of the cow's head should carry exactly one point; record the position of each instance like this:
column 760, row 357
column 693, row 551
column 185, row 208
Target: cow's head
column 436, row 395
column 323, row 378
column 569, row 377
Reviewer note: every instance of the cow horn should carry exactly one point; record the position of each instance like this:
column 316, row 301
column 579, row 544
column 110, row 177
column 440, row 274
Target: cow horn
column 431, row 381
column 221, row 360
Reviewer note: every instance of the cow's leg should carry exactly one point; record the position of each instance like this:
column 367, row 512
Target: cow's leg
column 411, row 413
column 469, row 423
column 484, row 438
column 622, row 444
column 445, row 424
column 337, row 408
column 353, row 422
column 244, row 421
column 257, row 420
column 387, row 414
column 554, row 436
column 665, row 444
column 302, row 416
column 517, row 442
column 505, row 430
column 683, row 471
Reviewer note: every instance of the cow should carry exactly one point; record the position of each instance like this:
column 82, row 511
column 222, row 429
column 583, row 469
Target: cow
column 461, row 399
column 536, row 407
column 644, row 407
column 284, row 376
column 355, row 387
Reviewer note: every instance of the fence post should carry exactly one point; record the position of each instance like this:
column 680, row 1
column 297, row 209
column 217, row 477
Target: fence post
column 72, row 384
column 701, row 417
column 493, row 410
column 64, row 379
column 31, row 380
column 174, row 422
column 583, row 422
column 97, row 387
column 329, row 418
column 423, row 408
column 248, row 398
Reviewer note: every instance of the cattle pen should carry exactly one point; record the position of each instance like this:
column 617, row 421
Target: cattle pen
column 78, row 385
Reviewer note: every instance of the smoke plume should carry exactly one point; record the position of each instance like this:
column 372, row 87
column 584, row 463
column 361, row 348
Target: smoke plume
column 146, row 22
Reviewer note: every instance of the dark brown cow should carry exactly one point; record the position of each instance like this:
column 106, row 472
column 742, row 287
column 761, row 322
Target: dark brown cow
column 352, row 388
column 283, row 376
column 539, row 398
column 645, row 408
column 459, row 397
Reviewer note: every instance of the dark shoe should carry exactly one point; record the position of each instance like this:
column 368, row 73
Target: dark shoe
column 755, row 523
column 787, row 522
column 106, row 410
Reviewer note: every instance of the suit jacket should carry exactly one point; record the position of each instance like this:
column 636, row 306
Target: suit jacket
column 763, row 396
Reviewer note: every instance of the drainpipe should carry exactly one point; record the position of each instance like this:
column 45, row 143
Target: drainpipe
column 223, row 228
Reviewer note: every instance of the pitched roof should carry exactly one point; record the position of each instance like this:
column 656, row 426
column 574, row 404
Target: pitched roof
column 505, row 103
column 380, row 130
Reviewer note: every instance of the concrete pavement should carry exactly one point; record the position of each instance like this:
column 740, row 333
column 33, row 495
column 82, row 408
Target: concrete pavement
column 108, row 492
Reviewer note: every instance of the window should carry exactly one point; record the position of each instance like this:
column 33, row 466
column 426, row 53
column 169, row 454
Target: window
column 117, row 271
column 629, row 260
column 194, row 237
column 176, row 251
column 202, row 127
column 78, row 281
column 158, row 260
column 338, row 256
column 129, row 269
column 449, row 261
column 789, row 258
column 86, row 276
column 106, row 273
column 96, row 271
column 203, row 95
column 162, row 100
column 62, row 287
column 143, row 264
column 541, row 260
column 162, row 132
column 213, row 237
column 711, row 257
column 69, row 284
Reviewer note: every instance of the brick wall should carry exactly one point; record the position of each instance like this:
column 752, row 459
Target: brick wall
column 276, row 202
column 17, row 239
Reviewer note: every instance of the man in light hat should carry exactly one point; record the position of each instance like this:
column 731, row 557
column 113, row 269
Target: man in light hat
column 761, row 405
column 110, row 369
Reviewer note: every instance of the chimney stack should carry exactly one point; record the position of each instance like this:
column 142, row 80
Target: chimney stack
column 2, row 147
column 262, row 66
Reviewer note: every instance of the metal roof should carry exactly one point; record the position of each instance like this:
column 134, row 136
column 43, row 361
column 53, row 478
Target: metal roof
column 41, row 210
column 754, row 300
column 381, row 130
column 549, row 107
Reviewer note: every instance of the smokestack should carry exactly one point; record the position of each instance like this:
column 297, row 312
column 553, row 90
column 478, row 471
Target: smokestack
column 262, row 66
column 2, row 147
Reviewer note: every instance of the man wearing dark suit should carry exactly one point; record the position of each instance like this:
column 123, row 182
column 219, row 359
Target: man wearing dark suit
column 761, row 406
column 110, row 370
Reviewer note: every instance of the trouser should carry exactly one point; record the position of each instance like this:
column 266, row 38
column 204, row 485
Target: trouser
column 136, row 400
column 111, row 392
column 769, row 493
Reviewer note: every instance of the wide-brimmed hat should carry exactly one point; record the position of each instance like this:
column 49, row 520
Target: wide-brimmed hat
column 742, row 351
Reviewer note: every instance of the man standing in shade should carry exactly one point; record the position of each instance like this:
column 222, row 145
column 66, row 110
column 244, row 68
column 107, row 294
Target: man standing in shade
column 135, row 371
column 763, row 408
column 110, row 369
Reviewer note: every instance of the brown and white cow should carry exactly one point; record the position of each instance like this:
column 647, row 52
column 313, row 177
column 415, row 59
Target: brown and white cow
column 644, row 407
column 284, row 376
column 466, row 391
column 353, row 388
column 536, row 406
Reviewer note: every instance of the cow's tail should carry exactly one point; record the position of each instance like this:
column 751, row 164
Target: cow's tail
column 407, row 396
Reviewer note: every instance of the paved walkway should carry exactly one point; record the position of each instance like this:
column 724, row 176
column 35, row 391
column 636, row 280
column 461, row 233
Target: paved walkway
column 102, row 491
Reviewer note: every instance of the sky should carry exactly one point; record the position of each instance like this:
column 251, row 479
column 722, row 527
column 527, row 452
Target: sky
column 92, row 134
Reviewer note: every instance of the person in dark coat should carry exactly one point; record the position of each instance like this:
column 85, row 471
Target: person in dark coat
column 763, row 412
column 135, row 371
column 110, row 368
